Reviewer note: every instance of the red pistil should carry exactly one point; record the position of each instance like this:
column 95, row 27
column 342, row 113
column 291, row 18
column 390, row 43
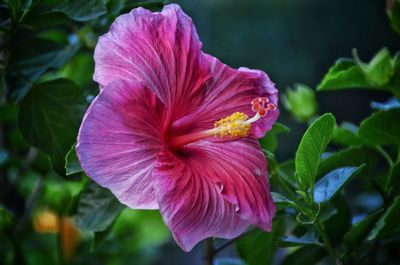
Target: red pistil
column 262, row 106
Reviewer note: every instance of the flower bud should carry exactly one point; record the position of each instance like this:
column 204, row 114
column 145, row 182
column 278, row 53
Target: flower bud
column 300, row 102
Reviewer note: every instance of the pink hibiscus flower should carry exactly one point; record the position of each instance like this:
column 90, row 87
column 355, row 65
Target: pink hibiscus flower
column 169, row 129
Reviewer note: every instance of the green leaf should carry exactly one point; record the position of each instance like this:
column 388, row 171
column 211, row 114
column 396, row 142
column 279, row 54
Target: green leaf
column 8, row 114
column 394, row 85
column 344, row 74
column 311, row 147
column 381, row 128
column 393, row 10
column 381, row 68
column 305, row 256
column 28, row 65
column 308, row 239
column 56, row 196
column 340, row 223
column 259, row 247
column 300, row 102
column 395, row 175
column 270, row 141
column 82, row 10
column 114, row 8
column 388, row 224
column 6, row 219
column 72, row 164
column 327, row 210
column 287, row 172
column 15, row 8
column 101, row 236
column 281, row 202
column 359, row 231
column 392, row 103
column 273, row 164
column 140, row 229
column 79, row 69
column 331, row 184
column 346, row 134
column 228, row 261
column 39, row 20
column 353, row 156
column 148, row 4
column 42, row 51
column 58, row 36
column 49, row 118
column 97, row 208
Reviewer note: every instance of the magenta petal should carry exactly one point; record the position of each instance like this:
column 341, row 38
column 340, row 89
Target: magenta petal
column 240, row 168
column 118, row 142
column 160, row 50
column 213, row 190
column 228, row 91
column 266, row 88
column 191, row 206
column 156, row 85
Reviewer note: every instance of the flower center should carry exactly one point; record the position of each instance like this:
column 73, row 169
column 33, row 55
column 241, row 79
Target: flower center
column 235, row 125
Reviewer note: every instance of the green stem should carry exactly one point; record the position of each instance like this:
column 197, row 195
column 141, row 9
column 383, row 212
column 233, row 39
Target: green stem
column 381, row 192
column 208, row 251
column 392, row 164
column 327, row 243
column 292, row 196
column 393, row 190
column 289, row 191
column 3, row 81
column 230, row 242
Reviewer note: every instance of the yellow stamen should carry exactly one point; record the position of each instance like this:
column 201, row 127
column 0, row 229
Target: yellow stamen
column 234, row 125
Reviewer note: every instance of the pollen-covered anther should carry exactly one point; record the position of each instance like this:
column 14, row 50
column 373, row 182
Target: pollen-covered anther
column 234, row 125
column 262, row 105
column 258, row 104
column 271, row 106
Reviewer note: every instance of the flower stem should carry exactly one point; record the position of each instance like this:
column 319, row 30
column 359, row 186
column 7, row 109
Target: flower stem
column 292, row 196
column 327, row 243
column 230, row 242
column 208, row 251
column 392, row 164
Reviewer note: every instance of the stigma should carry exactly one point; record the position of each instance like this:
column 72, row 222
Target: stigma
column 236, row 125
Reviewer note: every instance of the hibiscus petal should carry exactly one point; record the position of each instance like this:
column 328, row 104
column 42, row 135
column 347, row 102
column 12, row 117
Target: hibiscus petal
column 213, row 190
column 160, row 50
column 229, row 91
column 119, row 140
